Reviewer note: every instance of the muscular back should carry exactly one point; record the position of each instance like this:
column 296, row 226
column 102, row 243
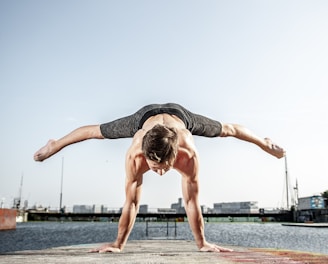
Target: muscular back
column 186, row 162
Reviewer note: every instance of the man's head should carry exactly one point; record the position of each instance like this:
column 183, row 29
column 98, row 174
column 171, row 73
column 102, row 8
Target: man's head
column 160, row 144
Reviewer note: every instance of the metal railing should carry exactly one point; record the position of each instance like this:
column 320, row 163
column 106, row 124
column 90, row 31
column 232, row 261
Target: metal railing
column 167, row 226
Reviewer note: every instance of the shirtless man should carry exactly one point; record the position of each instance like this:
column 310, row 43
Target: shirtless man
column 162, row 140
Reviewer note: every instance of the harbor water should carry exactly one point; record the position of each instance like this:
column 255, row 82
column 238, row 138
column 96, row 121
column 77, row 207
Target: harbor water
column 42, row 235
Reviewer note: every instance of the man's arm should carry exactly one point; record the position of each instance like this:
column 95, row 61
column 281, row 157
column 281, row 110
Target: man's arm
column 77, row 135
column 129, row 213
column 130, row 210
column 190, row 190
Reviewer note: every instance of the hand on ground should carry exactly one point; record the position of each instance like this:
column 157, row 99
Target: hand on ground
column 110, row 247
column 214, row 248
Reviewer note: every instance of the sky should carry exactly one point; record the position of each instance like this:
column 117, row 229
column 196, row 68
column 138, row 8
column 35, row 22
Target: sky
column 66, row 64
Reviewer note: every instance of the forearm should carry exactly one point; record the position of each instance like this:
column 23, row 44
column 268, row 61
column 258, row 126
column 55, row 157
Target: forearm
column 196, row 222
column 190, row 190
column 127, row 219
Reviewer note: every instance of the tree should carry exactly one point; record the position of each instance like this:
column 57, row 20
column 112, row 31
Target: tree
column 325, row 196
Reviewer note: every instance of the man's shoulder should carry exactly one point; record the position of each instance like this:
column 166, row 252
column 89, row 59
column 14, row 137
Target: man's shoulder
column 185, row 138
column 136, row 164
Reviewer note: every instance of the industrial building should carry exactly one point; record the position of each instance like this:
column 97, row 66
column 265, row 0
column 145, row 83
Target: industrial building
column 236, row 207
column 311, row 209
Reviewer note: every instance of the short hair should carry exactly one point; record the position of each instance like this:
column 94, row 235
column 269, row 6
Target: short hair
column 160, row 144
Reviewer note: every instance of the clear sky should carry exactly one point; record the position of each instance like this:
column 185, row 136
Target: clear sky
column 65, row 64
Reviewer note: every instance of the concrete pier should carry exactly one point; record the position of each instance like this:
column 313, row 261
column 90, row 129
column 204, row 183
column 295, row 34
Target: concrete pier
column 315, row 225
column 161, row 251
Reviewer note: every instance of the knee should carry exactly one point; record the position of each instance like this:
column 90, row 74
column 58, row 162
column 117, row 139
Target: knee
column 227, row 130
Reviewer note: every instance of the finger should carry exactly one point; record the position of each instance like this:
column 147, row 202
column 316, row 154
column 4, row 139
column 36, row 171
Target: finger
column 215, row 249
column 222, row 249
column 210, row 249
column 109, row 249
column 95, row 250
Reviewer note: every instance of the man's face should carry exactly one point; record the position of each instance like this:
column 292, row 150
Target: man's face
column 159, row 168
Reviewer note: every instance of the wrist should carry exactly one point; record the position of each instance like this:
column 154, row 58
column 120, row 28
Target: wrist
column 119, row 244
column 201, row 243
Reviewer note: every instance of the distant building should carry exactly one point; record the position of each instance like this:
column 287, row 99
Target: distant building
column 204, row 209
column 82, row 209
column 236, row 207
column 143, row 209
column 166, row 211
column 178, row 207
column 90, row 209
column 97, row 209
column 312, row 202
column 312, row 209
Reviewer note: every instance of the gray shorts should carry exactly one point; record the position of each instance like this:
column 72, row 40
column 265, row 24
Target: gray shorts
column 126, row 127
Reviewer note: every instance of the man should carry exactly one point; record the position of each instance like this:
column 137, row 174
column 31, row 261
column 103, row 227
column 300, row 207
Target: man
column 162, row 140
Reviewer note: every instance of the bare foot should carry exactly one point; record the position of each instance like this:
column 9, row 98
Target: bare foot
column 46, row 151
column 274, row 149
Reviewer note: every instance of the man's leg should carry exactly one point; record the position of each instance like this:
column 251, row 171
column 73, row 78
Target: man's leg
column 242, row 133
column 79, row 134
